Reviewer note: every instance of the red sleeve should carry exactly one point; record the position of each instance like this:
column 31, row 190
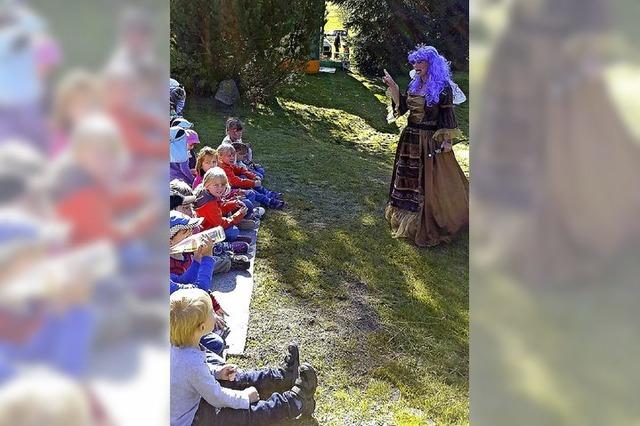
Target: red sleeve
column 230, row 206
column 213, row 216
column 243, row 171
column 236, row 181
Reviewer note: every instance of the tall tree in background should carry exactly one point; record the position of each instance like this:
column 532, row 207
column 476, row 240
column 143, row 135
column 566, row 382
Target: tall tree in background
column 383, row 31
column 262, row 44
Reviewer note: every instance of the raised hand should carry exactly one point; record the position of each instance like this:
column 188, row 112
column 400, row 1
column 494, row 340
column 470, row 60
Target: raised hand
column 393, row 87
column 389, row 81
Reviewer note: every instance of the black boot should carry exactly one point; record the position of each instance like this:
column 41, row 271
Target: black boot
column 305, row 388
column 291, row 364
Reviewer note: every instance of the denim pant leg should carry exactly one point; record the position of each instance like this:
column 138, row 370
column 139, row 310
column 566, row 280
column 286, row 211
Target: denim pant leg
column 261, row 198
column 250, row 195
column 232, row 233
column 214, row 342
column 276, row 408
column 266, row 381
column 249, row 206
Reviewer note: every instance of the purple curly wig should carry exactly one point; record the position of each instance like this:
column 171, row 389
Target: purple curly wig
column 439, row 74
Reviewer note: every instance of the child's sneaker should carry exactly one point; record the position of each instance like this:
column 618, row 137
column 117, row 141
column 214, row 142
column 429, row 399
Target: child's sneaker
column 258, row 212
column 240, row 263
column 305, row 388
column 238, row 247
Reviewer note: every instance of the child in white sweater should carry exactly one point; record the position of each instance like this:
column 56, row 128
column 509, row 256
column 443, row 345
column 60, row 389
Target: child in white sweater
column 203, row 393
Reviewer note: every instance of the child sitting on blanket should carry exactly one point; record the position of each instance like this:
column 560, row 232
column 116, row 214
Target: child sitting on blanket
column 253, row 185
column 227, row 256
column 211, row 205
column 206, row 394
column 208, row 158
column 200, row 271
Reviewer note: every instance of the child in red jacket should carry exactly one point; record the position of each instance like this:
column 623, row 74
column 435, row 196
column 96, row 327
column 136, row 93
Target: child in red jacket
column 210, row 205
column 234, row 173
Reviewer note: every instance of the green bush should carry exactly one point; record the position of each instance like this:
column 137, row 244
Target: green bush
column 382, row 32
column 262, row 44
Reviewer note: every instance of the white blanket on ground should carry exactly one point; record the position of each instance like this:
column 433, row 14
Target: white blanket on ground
column 233, row 291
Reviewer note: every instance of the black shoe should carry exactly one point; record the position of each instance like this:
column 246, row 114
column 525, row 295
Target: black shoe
column 240, row 263
column 291, row 364
column 305, row 388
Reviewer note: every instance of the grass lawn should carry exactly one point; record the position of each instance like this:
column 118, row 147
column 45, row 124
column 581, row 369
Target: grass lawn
column 384, row 323
column 334, row 18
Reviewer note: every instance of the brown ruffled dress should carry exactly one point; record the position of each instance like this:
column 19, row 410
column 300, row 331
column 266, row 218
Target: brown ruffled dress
column 429, row 193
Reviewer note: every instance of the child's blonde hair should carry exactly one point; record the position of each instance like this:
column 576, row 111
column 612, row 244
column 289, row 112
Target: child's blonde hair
column 226, row 147
column 204, row 152
column 188, row 309
column 216, row 174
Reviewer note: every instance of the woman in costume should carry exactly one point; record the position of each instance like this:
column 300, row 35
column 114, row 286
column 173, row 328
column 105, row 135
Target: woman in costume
column 429, row 193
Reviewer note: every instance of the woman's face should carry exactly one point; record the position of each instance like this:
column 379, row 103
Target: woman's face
column 209, row 162
column 421, row 68
column 217, row 188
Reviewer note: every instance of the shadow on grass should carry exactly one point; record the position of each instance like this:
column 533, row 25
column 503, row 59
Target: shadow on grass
column 389, row 307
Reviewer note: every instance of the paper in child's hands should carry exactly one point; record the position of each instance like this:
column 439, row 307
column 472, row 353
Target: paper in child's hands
column 191, row 244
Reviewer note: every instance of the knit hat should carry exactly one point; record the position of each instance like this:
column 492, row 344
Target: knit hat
column 179, row 221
